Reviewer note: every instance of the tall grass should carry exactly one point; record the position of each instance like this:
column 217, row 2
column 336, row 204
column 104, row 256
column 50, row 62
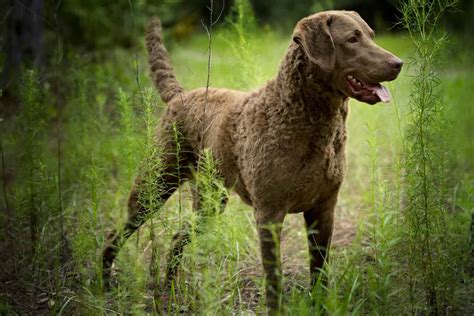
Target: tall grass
column 31, row 129
column 430, row 247
column 243, row 27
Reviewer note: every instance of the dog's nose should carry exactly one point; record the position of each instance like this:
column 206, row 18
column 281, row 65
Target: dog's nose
column 396, row 64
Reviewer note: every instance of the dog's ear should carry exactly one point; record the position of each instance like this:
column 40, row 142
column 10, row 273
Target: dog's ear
column 313, row 35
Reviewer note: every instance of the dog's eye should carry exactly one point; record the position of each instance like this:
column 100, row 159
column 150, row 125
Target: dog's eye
column 353, row 39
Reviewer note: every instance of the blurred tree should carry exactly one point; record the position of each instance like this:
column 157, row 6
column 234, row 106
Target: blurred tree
column 282, row 13
column 104, row 24
column 378, row 13
column 382, row 15
column 461, row 20
column 22, row 43
column 101, row 24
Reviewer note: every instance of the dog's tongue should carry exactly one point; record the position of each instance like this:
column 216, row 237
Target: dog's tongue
column 380, row 91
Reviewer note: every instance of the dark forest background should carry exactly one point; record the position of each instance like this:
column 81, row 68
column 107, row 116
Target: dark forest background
column 32, row 30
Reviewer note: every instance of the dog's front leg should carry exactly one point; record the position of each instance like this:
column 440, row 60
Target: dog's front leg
column 269, row 231
column 319, row 228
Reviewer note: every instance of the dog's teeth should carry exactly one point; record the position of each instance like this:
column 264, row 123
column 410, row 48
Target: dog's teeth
column 350, row 77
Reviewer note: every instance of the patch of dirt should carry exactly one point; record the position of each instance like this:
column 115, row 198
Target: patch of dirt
column 294, row 251
column 27, row 290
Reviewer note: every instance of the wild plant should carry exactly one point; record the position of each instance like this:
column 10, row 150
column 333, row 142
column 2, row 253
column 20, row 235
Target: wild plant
column 428, row 243
column 243, row 26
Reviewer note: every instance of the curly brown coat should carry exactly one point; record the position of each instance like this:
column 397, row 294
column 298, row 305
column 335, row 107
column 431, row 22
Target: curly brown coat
column 281, row 147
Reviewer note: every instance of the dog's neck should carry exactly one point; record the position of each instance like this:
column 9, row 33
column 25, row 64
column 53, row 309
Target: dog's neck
column 300, row 84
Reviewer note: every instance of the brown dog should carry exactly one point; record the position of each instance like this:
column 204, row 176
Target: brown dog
column 280, row 147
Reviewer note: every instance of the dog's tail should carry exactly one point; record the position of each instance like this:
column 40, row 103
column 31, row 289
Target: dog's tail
column 160, row 64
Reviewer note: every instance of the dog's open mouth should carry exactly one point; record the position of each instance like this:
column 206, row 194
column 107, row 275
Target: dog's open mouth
column 367, row 92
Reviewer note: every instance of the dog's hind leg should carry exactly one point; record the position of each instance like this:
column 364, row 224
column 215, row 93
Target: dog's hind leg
column 183, row 236
column 142, row 203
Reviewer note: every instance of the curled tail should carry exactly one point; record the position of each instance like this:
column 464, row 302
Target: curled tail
column 160, row 64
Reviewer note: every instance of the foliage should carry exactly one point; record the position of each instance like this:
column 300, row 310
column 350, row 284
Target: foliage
column 429, row 249
column 101, row 24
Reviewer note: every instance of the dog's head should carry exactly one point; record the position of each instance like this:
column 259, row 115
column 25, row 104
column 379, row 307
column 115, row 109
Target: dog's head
column 340, row 43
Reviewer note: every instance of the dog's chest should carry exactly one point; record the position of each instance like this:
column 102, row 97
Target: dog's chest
column 320, row 167
column 293, row 163
column 325, row 159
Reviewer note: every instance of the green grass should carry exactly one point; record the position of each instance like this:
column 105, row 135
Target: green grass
column 106, row 136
